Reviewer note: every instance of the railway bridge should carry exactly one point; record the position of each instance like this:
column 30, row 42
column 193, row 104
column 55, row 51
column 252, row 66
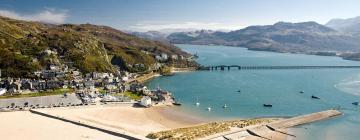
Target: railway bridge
column 238, row 67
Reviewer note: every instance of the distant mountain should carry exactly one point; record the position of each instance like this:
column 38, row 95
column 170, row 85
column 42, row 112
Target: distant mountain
column 152, row 35
column 200, row 37
column 305, row 37
column 26, row 47
column 351, row 25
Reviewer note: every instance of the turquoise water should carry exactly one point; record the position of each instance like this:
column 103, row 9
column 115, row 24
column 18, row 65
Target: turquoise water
column 335, row 87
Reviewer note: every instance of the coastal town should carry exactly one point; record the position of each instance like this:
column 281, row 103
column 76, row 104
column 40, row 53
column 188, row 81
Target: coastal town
column 179, row 70
column 60, row 82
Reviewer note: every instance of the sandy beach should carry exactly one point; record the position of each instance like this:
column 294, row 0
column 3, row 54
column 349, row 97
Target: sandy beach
column 25, row 125
column 131, row 120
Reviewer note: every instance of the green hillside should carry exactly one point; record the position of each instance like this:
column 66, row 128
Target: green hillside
column 29, row 46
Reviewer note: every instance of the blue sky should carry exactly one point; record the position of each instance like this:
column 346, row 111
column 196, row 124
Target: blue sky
column 145, row 15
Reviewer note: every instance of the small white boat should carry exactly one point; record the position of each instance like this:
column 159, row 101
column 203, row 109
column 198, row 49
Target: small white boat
column 197, row 104
column 225, row 106
column 209, row 108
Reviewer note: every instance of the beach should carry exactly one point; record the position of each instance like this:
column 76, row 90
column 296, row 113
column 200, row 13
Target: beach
column 135, row 121
column 25, row 125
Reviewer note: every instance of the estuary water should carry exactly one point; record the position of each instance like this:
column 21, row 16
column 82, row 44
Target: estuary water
column 336, row 88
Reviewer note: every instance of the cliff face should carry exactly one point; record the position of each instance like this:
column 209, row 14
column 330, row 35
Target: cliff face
column 29, row 46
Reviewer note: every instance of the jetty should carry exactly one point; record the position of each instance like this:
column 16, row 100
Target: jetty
column 238, row 67
column 266, row 130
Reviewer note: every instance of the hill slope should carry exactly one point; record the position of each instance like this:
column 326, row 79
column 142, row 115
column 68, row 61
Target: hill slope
column 29, row 46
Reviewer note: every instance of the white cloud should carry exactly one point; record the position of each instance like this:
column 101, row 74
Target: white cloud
column 47, row 16
column 186, row 26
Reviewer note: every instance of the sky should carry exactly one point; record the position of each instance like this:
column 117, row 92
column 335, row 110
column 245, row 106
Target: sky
column 145, row 15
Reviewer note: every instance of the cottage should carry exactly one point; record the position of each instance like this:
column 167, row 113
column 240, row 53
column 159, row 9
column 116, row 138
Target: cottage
column 26, row 85
column 145, row 90
column 145, row 101
column 89, row 84
column 39, row 85
column 164, row 56
column 158, row 57
column 53, row 84
column 2, row 91
column 174, row 56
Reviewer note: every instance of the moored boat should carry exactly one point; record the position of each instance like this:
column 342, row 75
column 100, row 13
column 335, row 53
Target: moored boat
column 197, row 104
column 267, row 105
column 355, row 103
column 314, row 97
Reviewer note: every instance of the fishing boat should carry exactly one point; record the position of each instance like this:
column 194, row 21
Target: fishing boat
column 355, row 103
column 302, row 91
column 267, row 105
column 209, row 108
column 314, row 97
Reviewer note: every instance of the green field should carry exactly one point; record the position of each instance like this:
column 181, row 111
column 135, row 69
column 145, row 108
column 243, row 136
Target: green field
column 36, row 94
column 133, row 95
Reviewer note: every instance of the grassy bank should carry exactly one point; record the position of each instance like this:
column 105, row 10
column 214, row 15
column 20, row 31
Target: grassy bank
column 133, row 95
column 41, row 93
column 204, row 130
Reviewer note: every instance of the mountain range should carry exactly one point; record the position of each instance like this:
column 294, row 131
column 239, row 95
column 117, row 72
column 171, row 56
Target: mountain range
column 338, row 37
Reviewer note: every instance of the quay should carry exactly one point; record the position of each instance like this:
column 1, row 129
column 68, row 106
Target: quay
column 238, row 67
column 266, row 130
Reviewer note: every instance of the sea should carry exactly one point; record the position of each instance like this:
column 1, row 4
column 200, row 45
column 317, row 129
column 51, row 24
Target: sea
column 245, row 91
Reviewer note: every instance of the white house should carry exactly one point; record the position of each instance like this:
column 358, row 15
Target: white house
column 164, row 56
column 145, row 101
column 53, row 67
column 174, row 56
column 145, row 90
column 2, row 91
